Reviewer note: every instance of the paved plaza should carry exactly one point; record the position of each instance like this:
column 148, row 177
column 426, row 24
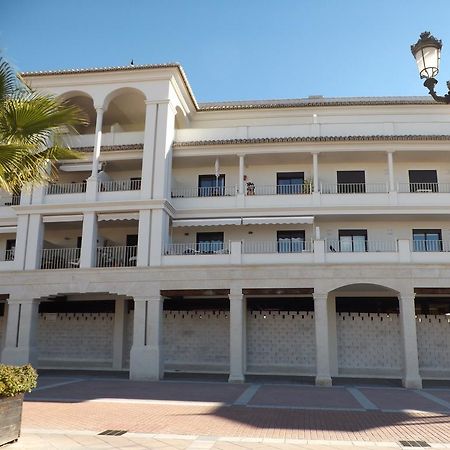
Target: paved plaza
column 70, row 411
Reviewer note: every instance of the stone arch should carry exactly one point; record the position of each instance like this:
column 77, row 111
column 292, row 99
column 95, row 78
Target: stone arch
column 85, row 102
column 359, row 287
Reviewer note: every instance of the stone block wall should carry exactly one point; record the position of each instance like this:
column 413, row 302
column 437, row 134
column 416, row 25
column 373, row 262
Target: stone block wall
column 433, row 341
column 196, row 340
column 369, row 344
column 281, row 342
column 78, row 340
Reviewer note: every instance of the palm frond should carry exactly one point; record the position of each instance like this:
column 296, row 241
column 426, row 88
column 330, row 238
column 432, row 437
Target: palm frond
column 8, row 80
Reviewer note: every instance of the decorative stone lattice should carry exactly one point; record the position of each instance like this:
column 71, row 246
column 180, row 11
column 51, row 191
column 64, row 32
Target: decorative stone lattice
column 74, row 339
column 196, row 340
column 281, row 342
column 433, row 341
column 128, row 338
column 369, row 341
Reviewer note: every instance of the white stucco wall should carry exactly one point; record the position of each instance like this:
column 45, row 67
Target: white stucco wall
column 196, row 340
column 281, row 343
column 79, row 340
column 369, row 344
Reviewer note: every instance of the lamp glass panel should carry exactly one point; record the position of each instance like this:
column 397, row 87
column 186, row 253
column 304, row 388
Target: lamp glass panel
column 427, row 60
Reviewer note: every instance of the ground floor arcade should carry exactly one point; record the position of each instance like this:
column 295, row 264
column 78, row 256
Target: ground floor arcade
column 359, row 330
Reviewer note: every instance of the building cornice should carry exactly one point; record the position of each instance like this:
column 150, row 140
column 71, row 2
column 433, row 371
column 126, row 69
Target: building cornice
column 313, row 139
column 111, row 148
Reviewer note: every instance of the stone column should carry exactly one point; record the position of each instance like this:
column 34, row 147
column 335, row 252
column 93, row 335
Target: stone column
column 241, row 187
column 21, row 241
column 238, row 344
column 89, row 240
column 35, row 238
column 315, row 172
column 411, row 376
column 159, row 232
column 390, row 159
column 332, row 335
column 143, row 251
column 149, row 149
column 321, row 322
column 91, row 185
column 119, row 332
column 20, row 345
column 146, row 357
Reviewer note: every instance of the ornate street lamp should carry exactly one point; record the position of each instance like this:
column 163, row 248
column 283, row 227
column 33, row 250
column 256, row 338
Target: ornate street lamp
column 427, row 52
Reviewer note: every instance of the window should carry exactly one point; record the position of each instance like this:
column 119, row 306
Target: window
column 351, row 181
column 135, row 183
column 210, row 185
column 427, row 240
column 292, row 241
column 290, row 182
column 352, row 241
column 423, row 181
column 210, row 242
column 10, row 249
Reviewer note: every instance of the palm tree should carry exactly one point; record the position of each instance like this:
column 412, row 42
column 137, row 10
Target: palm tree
column 32, row 127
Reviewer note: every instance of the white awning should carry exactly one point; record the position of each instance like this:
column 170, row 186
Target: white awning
column 278, row 220
column 81, row 167
column 118, row 216
column 8, row 229
column 206, row 222
column 68, row 218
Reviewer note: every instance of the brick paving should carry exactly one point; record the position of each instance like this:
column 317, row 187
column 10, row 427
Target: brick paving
column 216, row 410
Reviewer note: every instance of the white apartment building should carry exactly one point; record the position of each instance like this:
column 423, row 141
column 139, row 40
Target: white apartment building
column 305, row 237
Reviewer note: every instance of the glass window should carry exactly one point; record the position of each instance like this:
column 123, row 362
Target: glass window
column 353, row 240
column 210, row 242
column 427, row 240
column 290, row 182
column 291, row 241
column 210, row 185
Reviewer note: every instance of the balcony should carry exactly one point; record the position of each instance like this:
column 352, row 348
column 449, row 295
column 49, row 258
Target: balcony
column 119, row 185
column 60, row 258
column 423, row 188
column 119, row 256
column 354, row 188
column 65, row 188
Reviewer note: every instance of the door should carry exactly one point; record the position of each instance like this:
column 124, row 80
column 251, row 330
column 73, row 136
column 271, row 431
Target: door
column 131, row 250
column 351, row 181
column 210, row 185
column 353, row 240
column 423, row 181
column 290, row 182
column 210, row 242
column 291, row 241
column 427, row 240
column 10, row 249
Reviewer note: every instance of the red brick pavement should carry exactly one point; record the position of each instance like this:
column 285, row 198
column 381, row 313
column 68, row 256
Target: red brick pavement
column 238, row 421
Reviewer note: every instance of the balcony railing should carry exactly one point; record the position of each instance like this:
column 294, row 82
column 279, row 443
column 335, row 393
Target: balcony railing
column 429, row 246
column 121, row 256
column 249, row 247
column 204, row 192
column 339, row 246
column 60, row 258
column 65, row 188
column 424, row 187
column 354, row 188
column 291, row 189
column 8, row 255
column 119, row 185
column 200, row 248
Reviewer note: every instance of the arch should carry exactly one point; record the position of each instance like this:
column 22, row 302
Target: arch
column 181, row 118
column 359, row 287
column 120, row 91
column 85, row 102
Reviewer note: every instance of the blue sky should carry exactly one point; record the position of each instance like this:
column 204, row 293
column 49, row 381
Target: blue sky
column 236, row 49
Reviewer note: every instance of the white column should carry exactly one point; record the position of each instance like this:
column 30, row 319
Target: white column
column 91, row 185
column 323, row 372
column 119, row 333
column 241, row 174
column 149, row 149
column 20, row 345
column 332, row 334
column 390, row 159
column 35, row 238
column 165, row 127
column 238, row 318
column 316, row 172
column 143, row 251
column 21, row 241
column 89, row 240
column 411, row 376
column 146, row 357
column 159, row 232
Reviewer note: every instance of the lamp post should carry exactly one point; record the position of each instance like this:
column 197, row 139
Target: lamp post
column 427, row 53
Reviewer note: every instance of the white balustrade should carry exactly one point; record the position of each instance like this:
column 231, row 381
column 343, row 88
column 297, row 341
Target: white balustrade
column 118, row 256
column 60, row 258
column 119, row 185
column 65, row 188
column 10, row 200
column 219, row 191
column 424, row 187
column 336, row 245
column 291, row 189
column 8, row 255
column 281, row 246
column 429, row 246
column 354, row 188
column 200, row 248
